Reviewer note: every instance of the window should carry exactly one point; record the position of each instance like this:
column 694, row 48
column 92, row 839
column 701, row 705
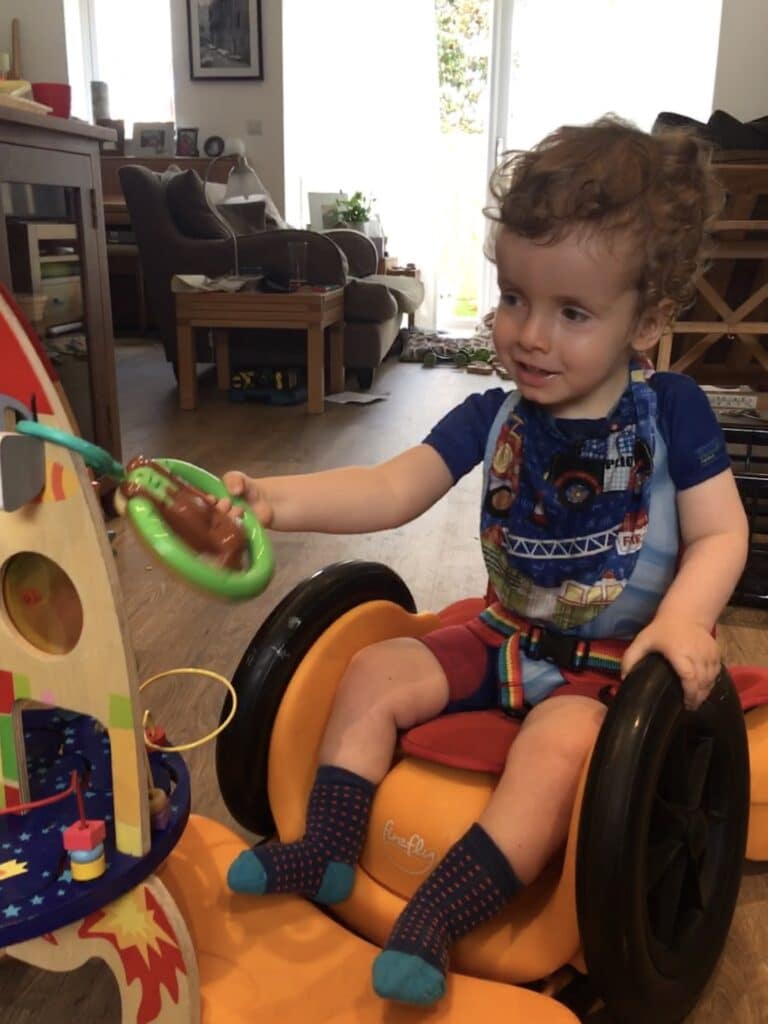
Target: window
column 131, row 52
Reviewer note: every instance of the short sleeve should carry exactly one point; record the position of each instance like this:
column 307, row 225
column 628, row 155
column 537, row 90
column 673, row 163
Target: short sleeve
column 694, row 440
column 461, row 436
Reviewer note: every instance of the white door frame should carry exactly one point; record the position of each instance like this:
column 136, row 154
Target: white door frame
column 498, row 118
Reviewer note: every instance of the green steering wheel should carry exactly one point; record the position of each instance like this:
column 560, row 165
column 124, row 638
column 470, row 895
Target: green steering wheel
column 145, row 515
column 153, row 529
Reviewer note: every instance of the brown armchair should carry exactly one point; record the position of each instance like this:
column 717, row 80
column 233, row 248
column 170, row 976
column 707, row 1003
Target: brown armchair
column 177, row 234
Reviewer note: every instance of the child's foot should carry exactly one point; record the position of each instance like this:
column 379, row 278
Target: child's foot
column 291, row 867
column 407, row 978
column 322, row 865
column 470, row 884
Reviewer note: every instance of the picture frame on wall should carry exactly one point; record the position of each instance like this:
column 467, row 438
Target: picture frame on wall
column 225, row 39
column 153, row 138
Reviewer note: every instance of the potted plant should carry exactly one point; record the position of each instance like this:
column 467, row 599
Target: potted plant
column 354, row 212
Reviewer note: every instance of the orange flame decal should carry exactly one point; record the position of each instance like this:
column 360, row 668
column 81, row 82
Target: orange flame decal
column 138, row 928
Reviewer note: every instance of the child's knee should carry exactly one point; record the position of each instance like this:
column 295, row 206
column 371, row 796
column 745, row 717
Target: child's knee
column 371, row 675
column 399, row 676
column 368, row 662
column 564, row 729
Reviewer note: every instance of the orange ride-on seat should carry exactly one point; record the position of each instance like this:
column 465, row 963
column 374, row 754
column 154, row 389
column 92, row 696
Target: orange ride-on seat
column 641, row 899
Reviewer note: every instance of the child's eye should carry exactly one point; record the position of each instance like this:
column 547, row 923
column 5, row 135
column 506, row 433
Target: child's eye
column 576, row 316
column 510, row 298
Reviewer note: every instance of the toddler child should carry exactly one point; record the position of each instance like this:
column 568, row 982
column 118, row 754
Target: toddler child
column 610, row 525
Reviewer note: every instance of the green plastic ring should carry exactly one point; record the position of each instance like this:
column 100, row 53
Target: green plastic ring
column 233, row 584
column 97, row 458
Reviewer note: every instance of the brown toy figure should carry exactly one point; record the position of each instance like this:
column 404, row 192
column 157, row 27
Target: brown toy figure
column 189, row 513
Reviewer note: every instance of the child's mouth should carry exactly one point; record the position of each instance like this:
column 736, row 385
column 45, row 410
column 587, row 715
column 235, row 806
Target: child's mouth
column 534, row 373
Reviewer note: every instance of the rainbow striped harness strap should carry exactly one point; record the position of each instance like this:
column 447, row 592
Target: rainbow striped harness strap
column 572, row 654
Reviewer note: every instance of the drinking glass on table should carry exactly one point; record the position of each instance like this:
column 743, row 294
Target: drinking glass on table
column 297, row 256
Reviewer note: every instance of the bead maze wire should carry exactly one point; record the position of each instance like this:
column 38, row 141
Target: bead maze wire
column 214, row 732
column 74, row 787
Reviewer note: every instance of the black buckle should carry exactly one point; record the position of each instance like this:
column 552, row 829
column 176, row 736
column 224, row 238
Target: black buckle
column 568, row 652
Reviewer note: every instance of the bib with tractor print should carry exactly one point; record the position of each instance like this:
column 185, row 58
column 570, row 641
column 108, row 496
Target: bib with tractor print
column 565, row 513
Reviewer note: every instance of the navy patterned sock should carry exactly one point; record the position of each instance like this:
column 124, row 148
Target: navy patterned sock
column 322, row 864
column 470, row 884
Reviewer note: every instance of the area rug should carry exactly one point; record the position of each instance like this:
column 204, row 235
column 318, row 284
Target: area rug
column 441, row 348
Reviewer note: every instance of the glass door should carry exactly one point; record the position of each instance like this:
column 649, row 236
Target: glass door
column 560, row 62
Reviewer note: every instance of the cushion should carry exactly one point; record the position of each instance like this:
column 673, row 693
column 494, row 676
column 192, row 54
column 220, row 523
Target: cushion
column 368, row 303
column 246, row 217
column 187, row 205
column 476, row 740
column 217, row 191
column 170, row 171
column 408, row 292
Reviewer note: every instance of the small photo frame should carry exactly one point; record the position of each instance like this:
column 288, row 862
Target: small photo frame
column 322, row 210
column 116, row 148
column 153, row 138
column 186, row 142
column 213, row 145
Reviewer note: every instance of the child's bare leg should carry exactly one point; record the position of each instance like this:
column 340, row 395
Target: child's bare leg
column 388, row 686
column 530, row 810
column 525, row 822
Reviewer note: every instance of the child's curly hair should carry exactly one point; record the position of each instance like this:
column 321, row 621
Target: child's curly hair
column 610, row 177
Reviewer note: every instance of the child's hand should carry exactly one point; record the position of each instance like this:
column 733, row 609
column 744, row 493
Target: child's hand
column 688, row 647
column 240, row 485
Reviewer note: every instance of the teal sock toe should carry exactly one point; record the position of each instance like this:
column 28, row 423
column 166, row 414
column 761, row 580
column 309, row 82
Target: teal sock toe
column 246, row 874
column 336, row 884
column 407, row 978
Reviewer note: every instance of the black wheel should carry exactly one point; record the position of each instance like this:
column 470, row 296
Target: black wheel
column 577, row 489
column 661, row 844
column 267, row 667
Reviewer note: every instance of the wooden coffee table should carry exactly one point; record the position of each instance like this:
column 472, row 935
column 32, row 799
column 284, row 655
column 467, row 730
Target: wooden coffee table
column 308, row 310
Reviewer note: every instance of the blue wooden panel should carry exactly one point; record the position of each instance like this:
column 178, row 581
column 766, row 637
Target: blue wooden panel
column 45, row 897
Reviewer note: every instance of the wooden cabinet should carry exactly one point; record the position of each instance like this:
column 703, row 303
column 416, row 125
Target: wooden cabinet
column 50, row 171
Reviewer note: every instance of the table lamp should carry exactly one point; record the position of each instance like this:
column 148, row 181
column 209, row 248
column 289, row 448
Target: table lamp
column 243, row 185
column 242, row 180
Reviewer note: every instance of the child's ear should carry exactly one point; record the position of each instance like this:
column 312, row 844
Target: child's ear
column 652, row 324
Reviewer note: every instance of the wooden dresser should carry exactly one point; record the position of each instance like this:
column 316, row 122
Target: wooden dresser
column 50, row 173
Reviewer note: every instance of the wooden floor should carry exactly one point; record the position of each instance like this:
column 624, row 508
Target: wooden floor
column 438, row 556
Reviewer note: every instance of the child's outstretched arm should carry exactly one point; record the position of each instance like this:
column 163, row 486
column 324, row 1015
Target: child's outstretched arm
column 714, row 532
column 356, row 499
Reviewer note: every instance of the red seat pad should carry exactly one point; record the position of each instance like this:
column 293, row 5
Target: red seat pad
column 480, row 740
column 476, row 740
column 751, row 682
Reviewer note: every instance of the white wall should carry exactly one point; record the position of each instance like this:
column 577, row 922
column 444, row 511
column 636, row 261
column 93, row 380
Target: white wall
column 223, row 108
column 43, row 56
column 216, row 108
column 741, row 83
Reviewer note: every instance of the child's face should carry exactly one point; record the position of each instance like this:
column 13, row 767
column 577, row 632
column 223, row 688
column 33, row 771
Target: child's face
column 567, row 320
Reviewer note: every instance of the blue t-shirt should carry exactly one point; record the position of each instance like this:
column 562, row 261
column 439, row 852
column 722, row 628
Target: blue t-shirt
column 695, row 443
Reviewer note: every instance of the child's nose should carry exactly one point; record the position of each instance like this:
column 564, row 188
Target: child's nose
column 534, row 333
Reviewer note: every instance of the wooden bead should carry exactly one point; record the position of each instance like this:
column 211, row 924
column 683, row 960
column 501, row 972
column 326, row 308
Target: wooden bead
column 87, row 872
column 85, row 836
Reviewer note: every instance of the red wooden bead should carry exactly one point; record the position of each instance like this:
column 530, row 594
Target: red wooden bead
column 84, row 837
